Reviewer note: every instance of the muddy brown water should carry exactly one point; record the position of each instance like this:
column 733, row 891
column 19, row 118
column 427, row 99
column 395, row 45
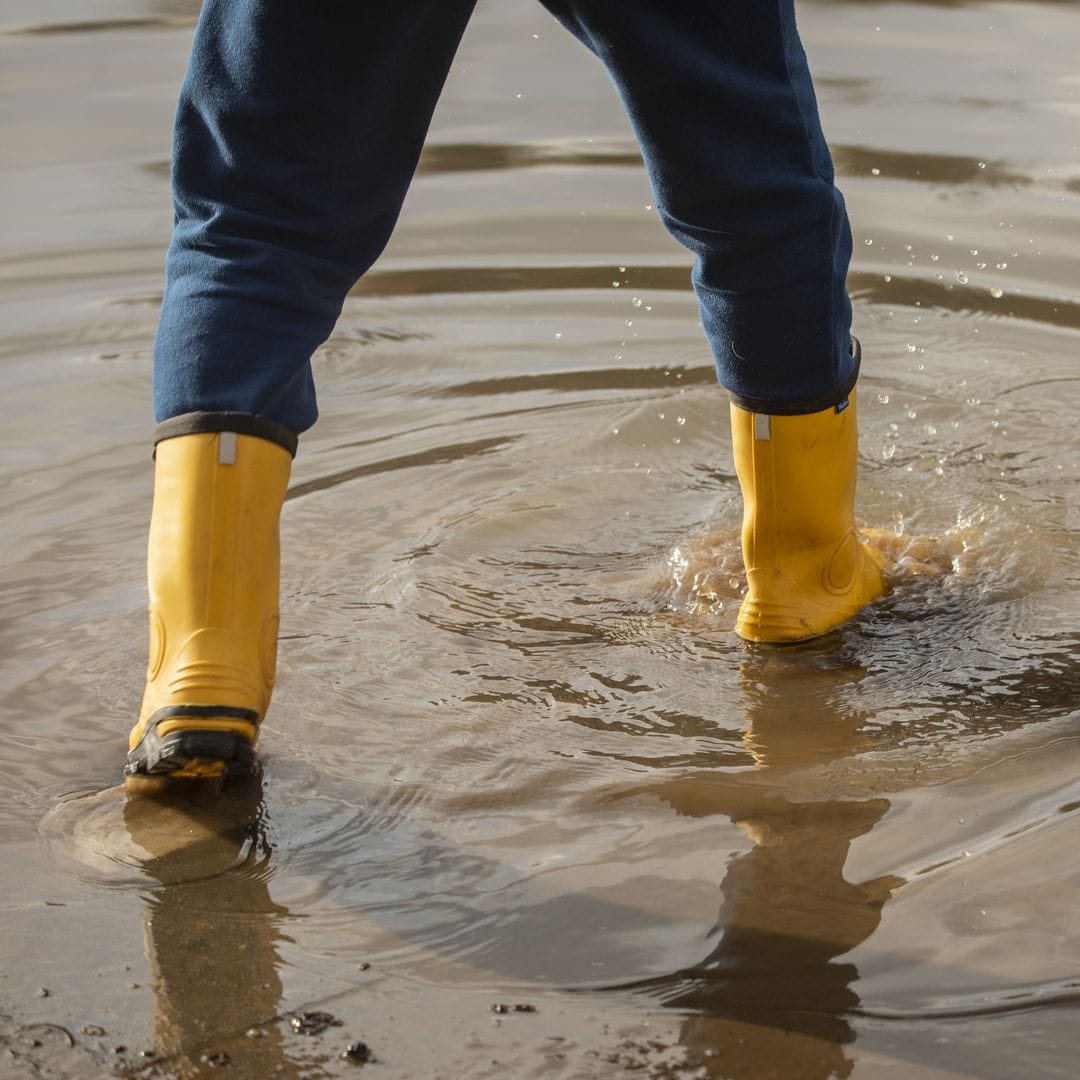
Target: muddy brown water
column 517, row 756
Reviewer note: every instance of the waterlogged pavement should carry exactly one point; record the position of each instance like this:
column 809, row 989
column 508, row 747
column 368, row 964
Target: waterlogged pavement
column 529, row 808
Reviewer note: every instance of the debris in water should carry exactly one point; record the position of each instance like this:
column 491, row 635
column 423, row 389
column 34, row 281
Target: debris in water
column 51, row 1027
column 312, row 1023
column 359, row 1052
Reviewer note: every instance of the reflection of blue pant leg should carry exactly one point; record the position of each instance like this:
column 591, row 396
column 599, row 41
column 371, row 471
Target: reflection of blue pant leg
column 297, row 133
column 721, row 100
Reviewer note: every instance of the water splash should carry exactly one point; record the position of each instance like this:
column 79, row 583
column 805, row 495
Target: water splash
column 986, row 551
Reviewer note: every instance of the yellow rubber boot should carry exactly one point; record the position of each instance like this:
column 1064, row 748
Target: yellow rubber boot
column 213, row 567
column 806, row 569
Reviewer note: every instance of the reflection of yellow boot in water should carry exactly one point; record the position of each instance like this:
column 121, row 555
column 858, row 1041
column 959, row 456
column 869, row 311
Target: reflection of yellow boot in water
column 806, row 569
column 213, row 570
column 211, row 930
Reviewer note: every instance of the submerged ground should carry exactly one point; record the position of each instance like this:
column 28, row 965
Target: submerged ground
column 517, row 757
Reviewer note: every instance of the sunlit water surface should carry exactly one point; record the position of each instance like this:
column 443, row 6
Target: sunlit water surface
column 517, row 755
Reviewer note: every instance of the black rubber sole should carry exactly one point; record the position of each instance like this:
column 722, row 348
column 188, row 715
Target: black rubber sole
column 194, row 752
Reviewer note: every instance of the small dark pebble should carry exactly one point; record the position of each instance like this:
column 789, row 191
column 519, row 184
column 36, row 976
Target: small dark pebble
column 216, row 1060
column 92, row 1029
column 120, row 1049
column 313, row 1023
column 502, row 1009
column 148, row 1054
column 42, row 992
column 34, row 1043
column 363, row 966
column 359, row 1052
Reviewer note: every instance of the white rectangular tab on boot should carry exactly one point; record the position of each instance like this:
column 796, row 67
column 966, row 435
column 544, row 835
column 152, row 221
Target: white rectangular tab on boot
column 227, row 448
column 762, row 427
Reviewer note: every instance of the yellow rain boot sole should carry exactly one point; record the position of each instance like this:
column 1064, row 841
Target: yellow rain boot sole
column 191, row 742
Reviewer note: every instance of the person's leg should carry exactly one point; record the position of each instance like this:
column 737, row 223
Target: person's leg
column 721, row 101
column 720, row 97
column 297, row 133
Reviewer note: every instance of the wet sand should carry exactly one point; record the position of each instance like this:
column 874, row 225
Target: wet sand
column 516, row 756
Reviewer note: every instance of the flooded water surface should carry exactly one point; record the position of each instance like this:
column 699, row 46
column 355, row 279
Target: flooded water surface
column 529, row 808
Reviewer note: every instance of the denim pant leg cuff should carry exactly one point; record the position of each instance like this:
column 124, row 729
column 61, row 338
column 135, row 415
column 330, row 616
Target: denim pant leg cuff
column 196, row 423
column 838, row 396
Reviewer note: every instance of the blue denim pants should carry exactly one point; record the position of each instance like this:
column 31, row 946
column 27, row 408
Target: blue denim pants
column 299, row 128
